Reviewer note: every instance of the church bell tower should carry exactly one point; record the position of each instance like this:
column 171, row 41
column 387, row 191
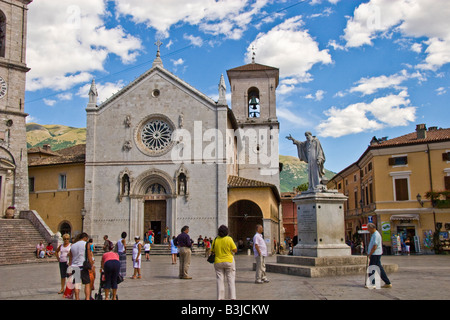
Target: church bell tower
column 13, row 145
column 253, row 101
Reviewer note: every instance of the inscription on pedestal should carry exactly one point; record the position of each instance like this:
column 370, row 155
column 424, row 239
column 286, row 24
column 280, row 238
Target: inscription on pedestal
column 307, row 221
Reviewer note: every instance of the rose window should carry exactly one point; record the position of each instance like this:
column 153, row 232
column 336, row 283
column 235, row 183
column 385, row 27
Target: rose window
column 156, row 135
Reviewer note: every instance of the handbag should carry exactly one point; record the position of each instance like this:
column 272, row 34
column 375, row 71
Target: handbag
column 212, row 256
column 86, row 263
column 119, row 278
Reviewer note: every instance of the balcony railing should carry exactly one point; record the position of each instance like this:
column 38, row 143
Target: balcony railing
column 370, row 208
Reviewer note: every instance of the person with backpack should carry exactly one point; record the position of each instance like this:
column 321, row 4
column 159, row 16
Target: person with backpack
column 107, row 245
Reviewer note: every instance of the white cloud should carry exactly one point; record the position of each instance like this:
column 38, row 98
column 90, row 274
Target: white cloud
column 291, row 48
column 30, row 119
column 411, row 18
column 177, row 62
column 65, row 96
column 416, row 47
column 195, row 41
column 335, row 45
column 370, row 85
column 314, row 2
column 317, row 96
column 441, row 90
column 49, row 102
column 105, row 91
column 291, row 117
column 68, row 40
column 389, row 111
column 226, row 17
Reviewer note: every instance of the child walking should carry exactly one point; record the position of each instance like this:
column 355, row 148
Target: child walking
column 147, row 250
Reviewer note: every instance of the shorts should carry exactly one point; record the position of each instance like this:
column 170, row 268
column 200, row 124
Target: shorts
column 137, row 263
column 80, row 277
column 63, row 269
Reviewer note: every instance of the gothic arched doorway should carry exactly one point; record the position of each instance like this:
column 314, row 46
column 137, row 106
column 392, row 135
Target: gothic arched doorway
column 243, row 216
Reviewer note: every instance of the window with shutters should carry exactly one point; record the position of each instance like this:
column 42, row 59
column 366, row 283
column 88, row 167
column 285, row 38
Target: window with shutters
column 398, row 161
column 447, row 182
column 401, row 189
column 446, row 156
column 400, row 182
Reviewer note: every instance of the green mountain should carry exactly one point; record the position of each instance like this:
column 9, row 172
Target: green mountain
column 294, row 173
column 57, row 136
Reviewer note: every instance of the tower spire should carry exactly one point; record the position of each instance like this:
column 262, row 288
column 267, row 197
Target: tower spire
column 222, row 91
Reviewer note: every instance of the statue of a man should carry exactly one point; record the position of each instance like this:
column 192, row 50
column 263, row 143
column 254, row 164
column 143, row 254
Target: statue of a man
column 311, row 152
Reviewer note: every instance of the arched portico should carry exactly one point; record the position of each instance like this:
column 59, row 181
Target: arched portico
column 243, row 216
column 153, row 204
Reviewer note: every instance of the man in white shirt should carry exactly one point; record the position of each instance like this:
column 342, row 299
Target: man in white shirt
column 260, row 251
column 375, row 250
column 77, row 256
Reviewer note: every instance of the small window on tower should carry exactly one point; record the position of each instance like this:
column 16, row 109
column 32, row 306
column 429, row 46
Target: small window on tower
column 253, row 103
column 2, row 34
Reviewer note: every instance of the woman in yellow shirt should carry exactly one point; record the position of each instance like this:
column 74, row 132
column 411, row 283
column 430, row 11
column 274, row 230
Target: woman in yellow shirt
column 224, row 265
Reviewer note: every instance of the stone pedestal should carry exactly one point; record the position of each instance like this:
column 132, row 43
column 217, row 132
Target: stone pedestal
column 321, row 249
column 320, row 223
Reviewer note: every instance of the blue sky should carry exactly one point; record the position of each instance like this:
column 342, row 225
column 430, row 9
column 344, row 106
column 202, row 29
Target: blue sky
column 349, row 70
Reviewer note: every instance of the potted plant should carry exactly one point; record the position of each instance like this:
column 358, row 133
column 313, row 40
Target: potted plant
column 9, row 212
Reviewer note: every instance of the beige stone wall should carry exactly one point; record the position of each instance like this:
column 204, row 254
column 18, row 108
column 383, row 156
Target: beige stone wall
column 12, row 115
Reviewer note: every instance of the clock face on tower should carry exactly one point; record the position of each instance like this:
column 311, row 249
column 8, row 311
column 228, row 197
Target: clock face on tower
column 3, row 87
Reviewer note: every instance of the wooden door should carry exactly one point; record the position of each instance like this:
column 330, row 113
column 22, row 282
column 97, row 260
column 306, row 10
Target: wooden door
column 155, row 218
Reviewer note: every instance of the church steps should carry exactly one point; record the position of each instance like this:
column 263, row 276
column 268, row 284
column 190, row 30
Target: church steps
column 18, row 240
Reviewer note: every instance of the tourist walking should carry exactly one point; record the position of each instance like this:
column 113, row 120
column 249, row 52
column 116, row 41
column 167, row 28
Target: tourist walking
column 173, row 250
column 62, row 255
column 122, row 251
column 223, row 247
column 147, row 250
column 137, row 248
column 110, row 269
column 260, row 252
column 166, row 235
column 184, row 244
column 207, row 247
column 375, row 250
column 78, row 254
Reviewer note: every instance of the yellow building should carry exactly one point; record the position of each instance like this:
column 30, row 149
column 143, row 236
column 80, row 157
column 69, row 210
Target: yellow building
column 388, row 185
column 56, row 183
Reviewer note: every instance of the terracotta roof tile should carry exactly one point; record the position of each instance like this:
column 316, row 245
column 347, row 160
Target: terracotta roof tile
column 240, row 182
column 236, row 182
column 75, row 154
column 253, row 67
column 432, row 135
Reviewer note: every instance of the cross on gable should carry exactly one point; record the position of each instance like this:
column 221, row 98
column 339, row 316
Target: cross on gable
column 158, row 44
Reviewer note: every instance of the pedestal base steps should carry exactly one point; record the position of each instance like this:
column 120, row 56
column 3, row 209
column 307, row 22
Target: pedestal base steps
column 314, row 267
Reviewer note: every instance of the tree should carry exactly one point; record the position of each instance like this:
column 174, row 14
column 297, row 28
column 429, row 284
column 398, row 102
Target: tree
column 303, row 187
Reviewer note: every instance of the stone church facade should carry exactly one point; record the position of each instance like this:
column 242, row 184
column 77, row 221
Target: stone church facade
column 159, row 153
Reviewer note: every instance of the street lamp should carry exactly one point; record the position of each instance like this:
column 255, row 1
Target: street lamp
column 83, row 214
column 419, row 199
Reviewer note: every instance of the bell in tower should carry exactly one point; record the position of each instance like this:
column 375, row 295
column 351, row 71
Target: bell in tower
column 253, row 108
